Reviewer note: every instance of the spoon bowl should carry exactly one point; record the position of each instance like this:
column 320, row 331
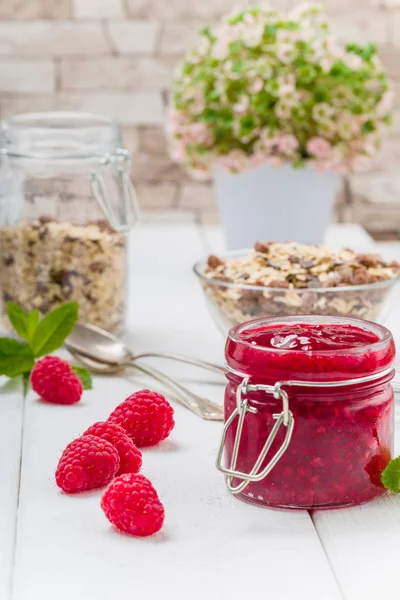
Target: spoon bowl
column 100, row 345
column 97, row 344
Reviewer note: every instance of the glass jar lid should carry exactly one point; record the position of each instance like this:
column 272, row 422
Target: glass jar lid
column 59, row 135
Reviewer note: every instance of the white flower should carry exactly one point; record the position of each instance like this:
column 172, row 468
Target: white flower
column 287, row 84
column 242, row 104
column 255, row 85
column 322, row 111
column 220, row 49
column 342, row 96
column 252, row 36
column 287, row 53
column 283, row 109
column 353, row 61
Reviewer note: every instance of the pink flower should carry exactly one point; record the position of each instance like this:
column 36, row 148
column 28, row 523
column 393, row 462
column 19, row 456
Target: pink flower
column 319, row 147
column 235, row 161
column 197, row 133
column 257, row 159
column 332, row 161
column 175, row 121
column 287, row 144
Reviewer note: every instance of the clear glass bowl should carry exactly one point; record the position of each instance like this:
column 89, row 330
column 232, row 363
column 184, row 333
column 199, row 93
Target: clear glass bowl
column 232, row 303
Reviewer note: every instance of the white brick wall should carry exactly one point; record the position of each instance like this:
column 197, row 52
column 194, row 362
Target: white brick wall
column 134, row 37
column 22, row 76
column 52, row 38
column 97, row 9
column 122, row 73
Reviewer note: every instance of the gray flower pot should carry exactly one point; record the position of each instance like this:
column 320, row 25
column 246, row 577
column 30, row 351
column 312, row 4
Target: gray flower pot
column 275, row 204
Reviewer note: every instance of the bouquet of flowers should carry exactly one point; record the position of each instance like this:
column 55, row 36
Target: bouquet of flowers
column 271, row 88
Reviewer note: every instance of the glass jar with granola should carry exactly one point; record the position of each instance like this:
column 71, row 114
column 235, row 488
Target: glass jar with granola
column 66, row 203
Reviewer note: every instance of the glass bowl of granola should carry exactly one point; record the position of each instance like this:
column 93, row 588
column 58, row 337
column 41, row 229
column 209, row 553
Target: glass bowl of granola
column 283, row 279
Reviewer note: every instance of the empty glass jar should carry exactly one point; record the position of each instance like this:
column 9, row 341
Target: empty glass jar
column 66, row 202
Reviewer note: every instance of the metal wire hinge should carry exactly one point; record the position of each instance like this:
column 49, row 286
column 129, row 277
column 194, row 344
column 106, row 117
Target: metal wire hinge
column 283, row 419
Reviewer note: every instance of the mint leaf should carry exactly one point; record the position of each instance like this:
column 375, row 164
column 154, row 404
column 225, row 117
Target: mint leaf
column 54, row 328
column 84, row 376
column 391, row 476
column 23, row 323
column 15, row 357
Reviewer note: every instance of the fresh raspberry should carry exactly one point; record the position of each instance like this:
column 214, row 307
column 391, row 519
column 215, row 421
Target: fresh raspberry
column 147, row 417
column 55, row 381
column 130, row 457
column 132, row 505
column 86, row 463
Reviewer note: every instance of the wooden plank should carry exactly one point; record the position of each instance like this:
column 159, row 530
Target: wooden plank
column 212, row 544
column 11, row 414
column 362, row 542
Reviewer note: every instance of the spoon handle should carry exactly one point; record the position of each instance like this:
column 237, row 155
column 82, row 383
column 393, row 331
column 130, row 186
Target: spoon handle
column 197, row 362
column 206, row 409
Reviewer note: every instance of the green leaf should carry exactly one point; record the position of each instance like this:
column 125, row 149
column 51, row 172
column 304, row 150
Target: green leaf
column 391, row 476
column 54, row 328
column 15, row 357
column 23, row 323
column 84, row 376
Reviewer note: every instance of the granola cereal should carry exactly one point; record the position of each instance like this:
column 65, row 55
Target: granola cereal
column 289, row 278
column 46, row 262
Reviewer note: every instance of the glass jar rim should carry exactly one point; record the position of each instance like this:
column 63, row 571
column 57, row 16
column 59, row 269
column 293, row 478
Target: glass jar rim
column 382, row 332
column 59, row 135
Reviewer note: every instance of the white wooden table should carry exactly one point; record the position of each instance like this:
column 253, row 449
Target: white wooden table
column 57, row 547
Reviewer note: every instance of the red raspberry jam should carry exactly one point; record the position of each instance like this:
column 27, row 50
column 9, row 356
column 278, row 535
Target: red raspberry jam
column 342, row 436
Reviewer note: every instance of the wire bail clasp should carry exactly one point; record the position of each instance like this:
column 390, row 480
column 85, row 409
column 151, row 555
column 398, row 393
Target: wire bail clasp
column 127, row 214
column 284, row 418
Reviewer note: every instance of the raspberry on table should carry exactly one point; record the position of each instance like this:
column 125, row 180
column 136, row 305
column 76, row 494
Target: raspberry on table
column 87, row 463
column 130, row 457
column 147, row 417
column 132, row 505
column 54, row 381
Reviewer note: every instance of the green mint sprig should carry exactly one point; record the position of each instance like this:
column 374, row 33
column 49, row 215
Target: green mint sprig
column 41, row 337
column 391, row 476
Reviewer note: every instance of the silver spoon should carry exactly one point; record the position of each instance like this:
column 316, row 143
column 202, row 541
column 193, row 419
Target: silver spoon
column 202, row 407
column 98, row 344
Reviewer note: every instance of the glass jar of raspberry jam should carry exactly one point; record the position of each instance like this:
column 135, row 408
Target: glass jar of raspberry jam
column 309, row 411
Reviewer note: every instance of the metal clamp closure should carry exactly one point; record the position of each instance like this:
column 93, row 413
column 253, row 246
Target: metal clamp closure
column 284, row 418
column 127, row 214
